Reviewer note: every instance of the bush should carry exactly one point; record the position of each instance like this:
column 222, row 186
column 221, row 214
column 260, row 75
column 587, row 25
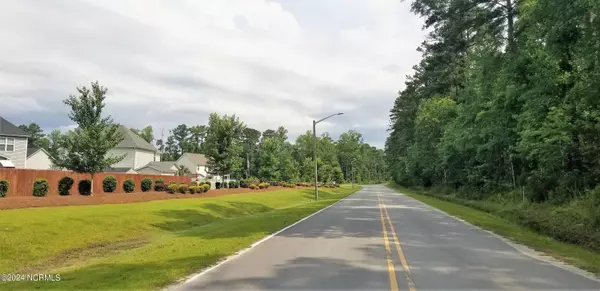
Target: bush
column 160, row 187
column 128, row 186
column 40, row 188
column 193, row 189
column 205, row 187
column 172, row 188
column 183, row 188
column 146, row 184
column 218, row 185
column 275, row 183
column 3, row 188
column 253, row 180
column 244, row 184
column 159, row 181
column 263, row 185
column 233, row 184
column 209, row 184
column 85, row 187
column 172, row 183
column 109, row 184
column 253, row 186
column 64, row 186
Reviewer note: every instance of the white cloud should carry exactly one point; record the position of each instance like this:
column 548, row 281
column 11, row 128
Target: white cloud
column 170, row 62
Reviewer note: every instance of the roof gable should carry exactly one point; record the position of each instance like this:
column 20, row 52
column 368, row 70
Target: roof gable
column 197, row 159
column 7, row 128
column 163, row 167
column 132, row 140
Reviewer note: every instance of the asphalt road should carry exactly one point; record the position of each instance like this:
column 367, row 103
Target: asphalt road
column 346, row 247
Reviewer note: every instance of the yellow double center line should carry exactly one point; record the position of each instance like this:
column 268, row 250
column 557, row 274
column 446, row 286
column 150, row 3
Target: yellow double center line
column 385, row 216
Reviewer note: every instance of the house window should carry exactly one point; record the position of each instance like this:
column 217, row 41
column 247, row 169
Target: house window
column 7, row 144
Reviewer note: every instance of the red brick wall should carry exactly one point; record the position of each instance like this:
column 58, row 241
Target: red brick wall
column 21, row 180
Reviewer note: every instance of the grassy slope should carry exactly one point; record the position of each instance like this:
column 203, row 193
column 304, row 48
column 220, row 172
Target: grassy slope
column 143, row 245
column 575, row 255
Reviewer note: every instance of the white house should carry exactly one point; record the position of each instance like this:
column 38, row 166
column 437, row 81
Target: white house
column 196, row 163
column 137, row 152
column 13, row 145
column 38, row 158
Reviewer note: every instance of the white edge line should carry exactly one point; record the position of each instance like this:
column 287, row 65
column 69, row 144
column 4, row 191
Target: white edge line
column 521, row 248
column 175, row 286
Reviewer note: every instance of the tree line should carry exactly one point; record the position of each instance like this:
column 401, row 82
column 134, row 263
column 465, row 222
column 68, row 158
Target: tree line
column 232, row 148
column 506, row 96
column 245, row 152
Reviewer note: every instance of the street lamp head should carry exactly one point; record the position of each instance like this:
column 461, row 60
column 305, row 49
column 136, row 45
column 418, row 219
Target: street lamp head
column 340, row 113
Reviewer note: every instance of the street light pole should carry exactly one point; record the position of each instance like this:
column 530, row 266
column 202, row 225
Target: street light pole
column 315, row 159
column 352, row 174
column 315, row 152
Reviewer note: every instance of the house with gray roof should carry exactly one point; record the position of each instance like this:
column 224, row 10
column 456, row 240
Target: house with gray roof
column 158, row 168
column 13, row 145
column 137, row 152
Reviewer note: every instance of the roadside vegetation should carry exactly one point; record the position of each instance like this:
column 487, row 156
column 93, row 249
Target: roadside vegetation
column 144, row 245
column 505, row 118
column 541, row 227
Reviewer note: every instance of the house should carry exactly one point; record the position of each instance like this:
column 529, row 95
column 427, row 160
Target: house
column 137, row 152
column 158, row 168
column 197, row 164
column 13, row 145
column 38, row 158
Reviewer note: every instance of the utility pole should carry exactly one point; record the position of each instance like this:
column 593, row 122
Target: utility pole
column 352, row 174
column 315, row 159
column 315, row 152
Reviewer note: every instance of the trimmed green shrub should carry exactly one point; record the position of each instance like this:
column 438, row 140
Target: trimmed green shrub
column 263, row 185
column 253, row 187
column 109, row 184
column 3, row 188
column 159, row 181
column 244, row 184
column 146, row 184
column 172, row 188
column 205, row 187
column 128, row 186
column 218, row 185
column 64, row 186
column 172, row 182
column 85, row 187
column 209, row 184
column 40, row 188
column 233, row 184
column 183, row 188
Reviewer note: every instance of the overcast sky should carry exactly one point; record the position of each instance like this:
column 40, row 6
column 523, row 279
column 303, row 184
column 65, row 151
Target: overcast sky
column 171, row 62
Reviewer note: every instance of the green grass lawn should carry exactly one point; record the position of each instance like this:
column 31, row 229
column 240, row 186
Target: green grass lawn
column 143, row 245
column 572, row 254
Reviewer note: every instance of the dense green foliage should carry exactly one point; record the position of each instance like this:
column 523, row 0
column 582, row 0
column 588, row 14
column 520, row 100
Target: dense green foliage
column 128, row 186
column 505, row 98
column 3, row 188
column 109, row 184
column 85, row 187
column 64, row 186
column 146, row 184
column 40, row 188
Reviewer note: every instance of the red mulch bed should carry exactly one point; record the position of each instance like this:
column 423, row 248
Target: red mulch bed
column 112, row 198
